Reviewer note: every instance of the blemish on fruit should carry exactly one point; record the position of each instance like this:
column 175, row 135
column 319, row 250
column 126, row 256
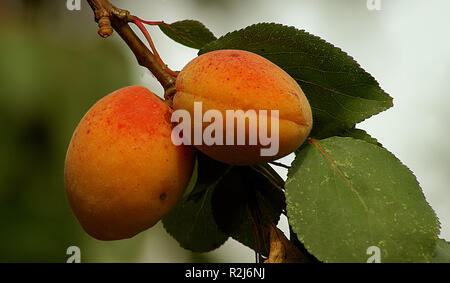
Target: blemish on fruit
column 167, row 117
column 163, row 196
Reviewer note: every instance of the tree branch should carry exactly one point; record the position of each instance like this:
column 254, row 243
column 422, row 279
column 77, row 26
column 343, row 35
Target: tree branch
column 111, row 18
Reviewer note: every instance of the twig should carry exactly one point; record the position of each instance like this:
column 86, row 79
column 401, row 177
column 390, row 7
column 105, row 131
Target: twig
column 144, row 31
column 111, row 18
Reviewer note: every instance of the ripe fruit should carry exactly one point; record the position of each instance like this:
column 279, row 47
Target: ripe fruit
column 122, row 171
column 241, row 80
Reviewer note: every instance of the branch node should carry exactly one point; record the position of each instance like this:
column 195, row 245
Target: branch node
column 124, row 15
column 110, row 19
column 169, row 94
column 105, row 28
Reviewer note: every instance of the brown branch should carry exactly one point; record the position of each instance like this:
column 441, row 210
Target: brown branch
column 282, row 250
column 111, row 18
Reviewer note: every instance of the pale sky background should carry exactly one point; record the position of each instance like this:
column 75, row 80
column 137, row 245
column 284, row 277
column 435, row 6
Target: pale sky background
column 405, row 46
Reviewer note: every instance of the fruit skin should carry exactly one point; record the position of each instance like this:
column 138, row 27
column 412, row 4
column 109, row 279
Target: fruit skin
column 236, row 79
column 122, row 171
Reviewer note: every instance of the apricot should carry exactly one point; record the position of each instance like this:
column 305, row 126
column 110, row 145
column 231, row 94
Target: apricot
column 122, row 171
column 240, row 80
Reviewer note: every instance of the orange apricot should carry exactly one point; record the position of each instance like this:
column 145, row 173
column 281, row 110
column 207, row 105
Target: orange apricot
column 227, row 80
column 122, row 171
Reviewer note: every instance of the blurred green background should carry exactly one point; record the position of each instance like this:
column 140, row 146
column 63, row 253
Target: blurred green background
column 53, row 67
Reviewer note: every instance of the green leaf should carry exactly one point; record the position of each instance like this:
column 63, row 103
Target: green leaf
column 245, row 203
column 360, row 135
column 193, row 181
column 210, row 172
column 191, row 222
column 442, row 252
column 340, row 92
column 346, row 195
column 272, row 176
column 190, row 33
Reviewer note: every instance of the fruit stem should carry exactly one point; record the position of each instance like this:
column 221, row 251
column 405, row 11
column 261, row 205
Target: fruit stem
column 139, row 23
column 111, row 18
